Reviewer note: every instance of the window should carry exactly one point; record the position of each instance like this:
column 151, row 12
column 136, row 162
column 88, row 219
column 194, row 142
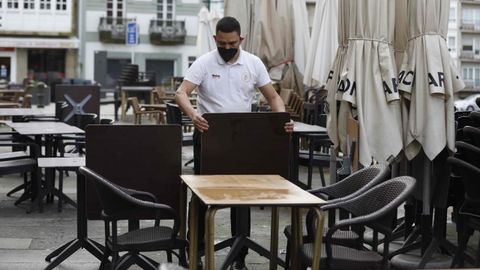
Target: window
column 451, row 43
column 13, row 4
column 477, row 77
column 165, row 10
column 468, row 74
column 28, row 4
column 191, row 59
column 115, row 8
column 61, row 4
column 45, row 4
column 453, row 15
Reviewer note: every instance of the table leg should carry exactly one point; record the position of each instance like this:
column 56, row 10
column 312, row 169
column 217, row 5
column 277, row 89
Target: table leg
column 294, row 162
column 123, row 104
column 318, row 238
column 82, row 240
column 296, row 237
column 193, row 252
column 209, row 238
column 274, row 239
column 183, row 211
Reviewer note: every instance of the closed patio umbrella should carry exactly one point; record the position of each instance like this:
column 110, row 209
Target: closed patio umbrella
column 337, row 116
column 301, row 33
column 205, row 41
column 368, row 79
column 323, row 43
column 429, row 79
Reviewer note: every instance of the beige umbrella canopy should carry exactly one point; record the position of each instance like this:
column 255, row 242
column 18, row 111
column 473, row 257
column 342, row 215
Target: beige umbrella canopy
column 206, row 29
column 269, row 35
column 428, row 79
column 336, row 116
column 323, row 43
column 368, row 79
column 244, row 11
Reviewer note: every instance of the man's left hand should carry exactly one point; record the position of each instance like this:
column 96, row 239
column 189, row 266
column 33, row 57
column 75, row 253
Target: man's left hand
column 289, row 126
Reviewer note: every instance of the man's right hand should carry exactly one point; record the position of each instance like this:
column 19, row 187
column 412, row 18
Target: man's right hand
column 200, row 123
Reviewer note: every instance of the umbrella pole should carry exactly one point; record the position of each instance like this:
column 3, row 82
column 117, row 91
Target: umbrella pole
column 333, row 165
column 426, row 216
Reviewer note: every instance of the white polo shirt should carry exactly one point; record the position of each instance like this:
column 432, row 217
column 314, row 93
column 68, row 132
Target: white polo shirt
column 224, row 87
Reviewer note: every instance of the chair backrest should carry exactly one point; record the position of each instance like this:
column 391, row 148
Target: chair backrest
column 158, row 94
column 174, row 114
column 356, row 183
column 468, row 152
column 471, row 179
column 113, row 199
column 135, row 104
column 473, row 134
column 376, row 206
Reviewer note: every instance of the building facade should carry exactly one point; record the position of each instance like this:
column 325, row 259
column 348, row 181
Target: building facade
column 167, row 31
column 38, row 38
column 464, row 42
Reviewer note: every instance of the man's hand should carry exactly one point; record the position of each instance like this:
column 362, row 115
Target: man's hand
column 289, row 127
column 200, row 123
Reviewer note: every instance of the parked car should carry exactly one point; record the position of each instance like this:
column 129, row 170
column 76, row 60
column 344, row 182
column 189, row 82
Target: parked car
column 468, row 104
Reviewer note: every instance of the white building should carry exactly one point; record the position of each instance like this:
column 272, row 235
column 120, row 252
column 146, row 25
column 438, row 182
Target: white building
column 167, row 37
column 464, row 41
column 38, row 36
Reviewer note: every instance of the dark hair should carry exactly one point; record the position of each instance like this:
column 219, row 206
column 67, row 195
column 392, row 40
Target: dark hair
column 227, row 25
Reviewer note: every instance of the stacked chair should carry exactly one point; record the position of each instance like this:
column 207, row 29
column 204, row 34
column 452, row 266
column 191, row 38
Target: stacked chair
column 350, row 187
column 466, row 166
column 376, row 209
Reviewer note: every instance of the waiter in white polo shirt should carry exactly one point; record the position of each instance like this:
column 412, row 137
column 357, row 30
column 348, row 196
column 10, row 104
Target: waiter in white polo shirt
column 226, row 79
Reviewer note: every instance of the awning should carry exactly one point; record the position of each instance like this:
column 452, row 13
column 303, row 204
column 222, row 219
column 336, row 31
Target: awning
column 40, row 43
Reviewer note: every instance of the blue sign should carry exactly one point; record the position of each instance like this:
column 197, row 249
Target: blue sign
column 131, row 33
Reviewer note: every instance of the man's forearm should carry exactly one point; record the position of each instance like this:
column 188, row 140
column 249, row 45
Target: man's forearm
column 181, row 98
column 277, row 105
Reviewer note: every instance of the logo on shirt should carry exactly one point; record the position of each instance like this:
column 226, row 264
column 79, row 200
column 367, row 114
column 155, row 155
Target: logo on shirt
column 215, row 76
column 246, row 77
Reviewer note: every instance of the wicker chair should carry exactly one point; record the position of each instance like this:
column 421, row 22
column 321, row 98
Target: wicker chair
column 139, row 110
column 119, row 203
column 350, row 187
column 472, row 134
column 375, row 208
column 469, row 211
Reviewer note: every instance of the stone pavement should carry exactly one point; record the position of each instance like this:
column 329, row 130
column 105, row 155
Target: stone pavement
column 26, row 239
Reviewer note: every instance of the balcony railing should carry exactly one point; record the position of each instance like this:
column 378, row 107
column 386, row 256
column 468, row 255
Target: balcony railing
column 167, row 32
column 112, row 30
column 470, row 26
column 470, row 56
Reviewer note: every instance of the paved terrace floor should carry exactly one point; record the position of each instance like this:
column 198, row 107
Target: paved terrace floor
column 26, row 239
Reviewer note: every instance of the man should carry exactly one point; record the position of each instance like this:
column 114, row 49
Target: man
column 226, row 79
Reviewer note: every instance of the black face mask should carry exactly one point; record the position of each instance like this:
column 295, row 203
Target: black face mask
column 227, row 54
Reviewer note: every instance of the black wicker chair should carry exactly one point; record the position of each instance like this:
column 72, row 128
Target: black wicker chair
column 350, row 187
column 375, row 208
column 119, row 203
column 470, row 210
column 472, row 134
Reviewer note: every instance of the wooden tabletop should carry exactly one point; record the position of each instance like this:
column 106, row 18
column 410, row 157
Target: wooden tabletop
column 248, row 190
column 61, row 162
column 299, row 127
column 43, row 128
